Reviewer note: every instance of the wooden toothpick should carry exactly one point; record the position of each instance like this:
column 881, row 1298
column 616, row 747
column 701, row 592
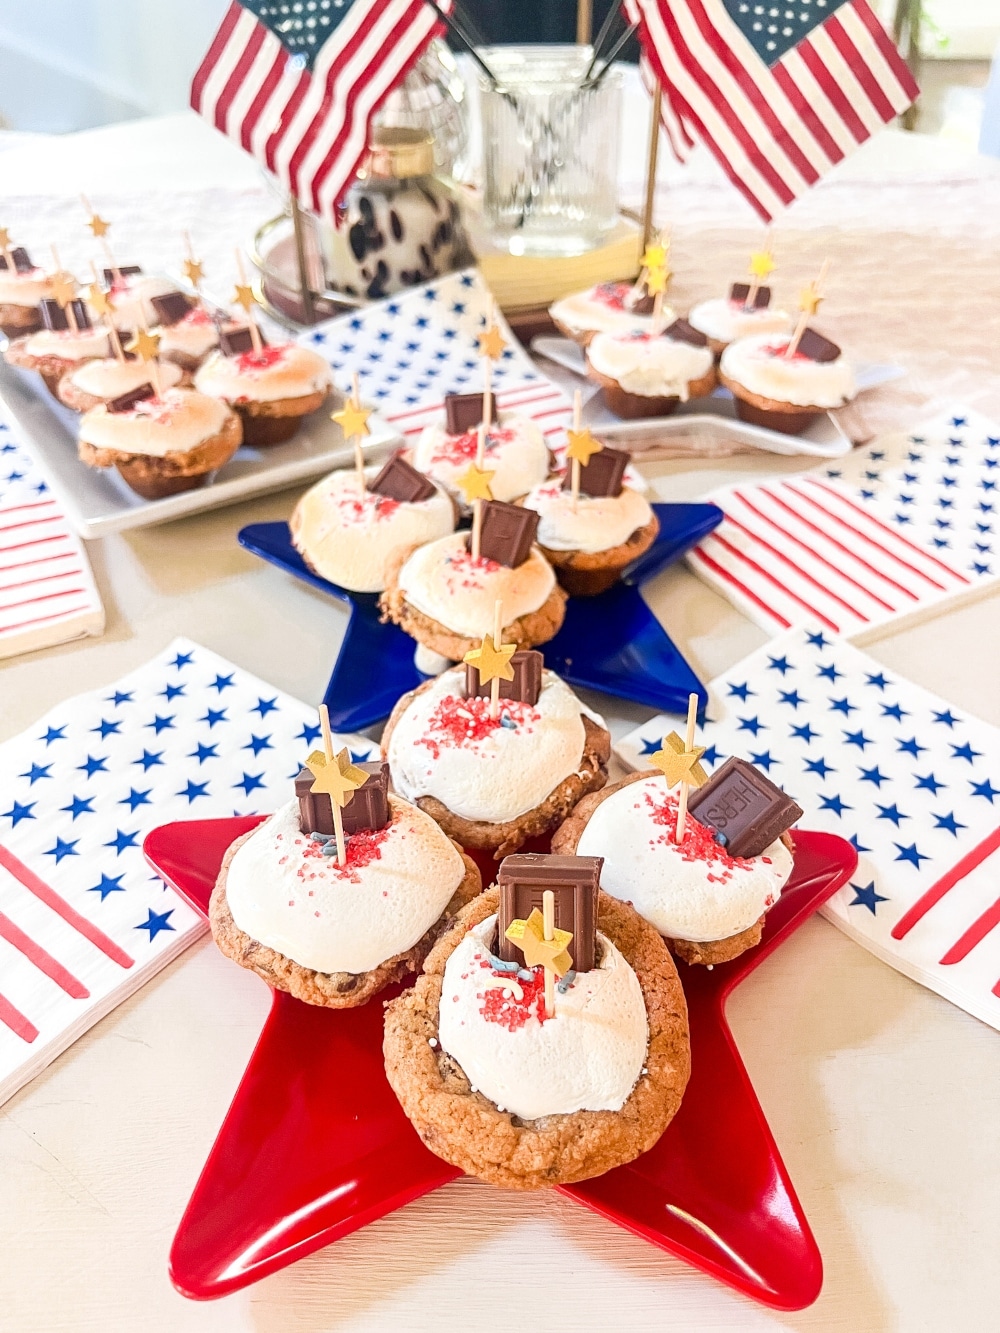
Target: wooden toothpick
column 359, row 454
column 577, row 425
column 477, row 505
column 809, row 302
column 548, row 929
column 682, row 802
column 498, row 644
column 338, row 818
column 105, row 309
column 246, row 299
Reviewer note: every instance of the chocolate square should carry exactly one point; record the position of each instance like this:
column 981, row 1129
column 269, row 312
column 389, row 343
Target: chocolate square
column 683, row 332
column 126, row 401
column 507, row 533
column 526, row 685
column 400, row 480
column 125, row 271
column 235, row 342
column 464, row 411
column 574, row 881
column 816, row 347
column 22, row 260
column 739, row 291
column 368, row 808
column 642, row 305
column 745, row 808
column 602, row 473
column 54, row 317
column 172, row 307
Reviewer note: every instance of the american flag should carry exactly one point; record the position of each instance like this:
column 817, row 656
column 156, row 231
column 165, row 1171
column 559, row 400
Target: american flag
column 778, row 90
column 910, row 780
column 296, row 84
column 83, row 921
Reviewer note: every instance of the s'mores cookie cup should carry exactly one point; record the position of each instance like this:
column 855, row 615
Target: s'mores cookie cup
column 591, row 534
column 610, row 307
column 648, row 374
column 444, row 597
column 187, row 330
column 547, row 1040
column 272, row 388
column 335, row 934
column 493, row 782
column 163, row 445
column 708, row 893
column 356, row 538
column 783, row 389
column 515, row 451
column 132, row 294
column 23, row 286
column 107, row 378
column 58, row 349
column 725, row 320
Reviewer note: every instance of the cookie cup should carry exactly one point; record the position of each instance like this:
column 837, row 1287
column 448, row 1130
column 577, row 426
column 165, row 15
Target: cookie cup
column 588, row 573
column 154, row 477
column 51, row 368
column 331, row 990
column 788, row 418
column 78, row 400
column 273, row 421
column 707, row 952
column 504, row 838
column 635, row 406
column 18, row 320
column 466, row 1129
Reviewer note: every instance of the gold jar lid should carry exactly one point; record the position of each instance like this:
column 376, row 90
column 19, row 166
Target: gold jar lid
column 399, row 152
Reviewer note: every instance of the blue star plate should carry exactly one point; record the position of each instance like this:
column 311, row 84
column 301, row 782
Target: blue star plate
column 612, row 643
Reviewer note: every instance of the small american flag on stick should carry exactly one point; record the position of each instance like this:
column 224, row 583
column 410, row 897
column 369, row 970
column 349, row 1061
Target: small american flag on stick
column 296, row 83
column 779, row 91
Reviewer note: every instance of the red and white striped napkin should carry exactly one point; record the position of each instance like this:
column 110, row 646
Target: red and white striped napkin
column 47, row 591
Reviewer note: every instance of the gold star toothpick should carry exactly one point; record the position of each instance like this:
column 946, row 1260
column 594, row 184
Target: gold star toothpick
column 529, row 936
column 352, row 419
column 337, row 778
column 810, row 299
column 761, row 265
column 654, row 256
column 492, row 663
column 146, row 345
column 656, row 279
column 99, row 300
column 582, row 446
column 63, row 288
column 492, row 342
column 98, row 226
column 474, row 483
column 679, row 764
column 194, row 271
column 243, row 296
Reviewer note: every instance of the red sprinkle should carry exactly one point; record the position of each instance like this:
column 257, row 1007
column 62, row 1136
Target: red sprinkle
column 698, row 843
column 507, row 1010
column 264, row 359
column 461, row 724
column 457, row 449
column 362, row 849
column 612, row 294
column 779, row 349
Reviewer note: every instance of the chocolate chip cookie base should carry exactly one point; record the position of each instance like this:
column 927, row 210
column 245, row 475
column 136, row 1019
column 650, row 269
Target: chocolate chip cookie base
column 707, row 952
column 155, row 477
column 504, row 838
column 636, row 406
column 754, row 408
column 588, row 573
column 277, row 420
column 332, row 990
column 467, row 1129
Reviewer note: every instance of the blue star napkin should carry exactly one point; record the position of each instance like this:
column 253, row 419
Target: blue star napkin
column 83, row 921
column 911, row 781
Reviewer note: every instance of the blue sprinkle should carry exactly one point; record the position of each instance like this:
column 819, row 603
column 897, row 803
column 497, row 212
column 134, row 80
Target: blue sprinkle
column 507, row 721
column 321, row 837
column 720, row 838
column 501, row 964
column 525, row 974
column 330, row 848
column 564, row 982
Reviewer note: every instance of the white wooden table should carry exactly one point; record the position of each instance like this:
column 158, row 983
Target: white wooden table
column 883, row 1098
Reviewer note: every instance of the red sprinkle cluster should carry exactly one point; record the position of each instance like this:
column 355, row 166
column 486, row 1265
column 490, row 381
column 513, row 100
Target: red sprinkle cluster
column 458, row 723
column 505, row 1009
column 613, row 294
column 467, row 572
column 262, row 360
column 457, row 449
column 780, row 348
column 362, row 849
column 357, row 508
column 698, row 843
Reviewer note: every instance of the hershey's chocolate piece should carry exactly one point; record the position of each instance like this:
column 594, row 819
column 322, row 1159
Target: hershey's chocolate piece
column 22, row 260
column 602, row 473
column 400, row 480
column 526, row 685
column 464, row 411
column 126, row 401
column 816, row 347
column 642, row 305
column 368, row 808
column 234, row 342
column 739, row 291
column 125, row 271
column 172, row 307
column 507, row 533
column 744, row 807
column 574, row 881
column 54, row 317
column 683, row 332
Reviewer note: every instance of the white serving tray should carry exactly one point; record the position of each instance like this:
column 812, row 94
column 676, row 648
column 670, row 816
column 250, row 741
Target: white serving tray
column 97, row 502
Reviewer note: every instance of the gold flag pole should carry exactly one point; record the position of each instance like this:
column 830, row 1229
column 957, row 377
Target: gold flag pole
column 299, row 230
column 584, row 21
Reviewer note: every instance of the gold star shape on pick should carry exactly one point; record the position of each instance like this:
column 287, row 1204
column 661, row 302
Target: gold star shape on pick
column 99, row 300
column 194, row 271
column 678, row 764
column 4, row 238
column 761, row 265
column 581, row 446
column 243, row 295
column 63, row 288
column 492, row 343
column 146, row 345
column 654, row 256
column 529, row 936
column 337, row 778
column 352, row 419
column 98, row 226
column 492, row 662
column 809, row 299
column 475, row 483
column 656, row 279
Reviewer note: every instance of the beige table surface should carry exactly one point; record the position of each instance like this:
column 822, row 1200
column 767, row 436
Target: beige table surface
column 884, row 1099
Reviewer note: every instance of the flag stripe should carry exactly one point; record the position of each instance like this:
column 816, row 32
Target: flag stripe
column 862, row 72
column 17, row 1022
column 810, row 117
column 802, row 573
column 42, row 959
column 770, row 578
column 945, row 884
column 45, row 620
column 976, row 933
column 824, row 77
column 214, row 54
column 699, row 554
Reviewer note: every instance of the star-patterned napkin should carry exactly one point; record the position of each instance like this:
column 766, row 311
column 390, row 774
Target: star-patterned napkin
column 47, row 592
column 893, row 532
column 83, row 921
column 412, row 349
column 912, row 782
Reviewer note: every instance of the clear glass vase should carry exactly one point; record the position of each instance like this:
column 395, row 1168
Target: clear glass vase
column 550, row 150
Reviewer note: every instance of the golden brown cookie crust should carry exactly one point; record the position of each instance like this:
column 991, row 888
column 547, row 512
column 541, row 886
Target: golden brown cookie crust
column 153, row 477
column 332, row 990
column 16, row 320
column 526, row 631
column 587, row 573
column 466, row 1128
column 566, row 839
column 633, row 406
column 502, row 839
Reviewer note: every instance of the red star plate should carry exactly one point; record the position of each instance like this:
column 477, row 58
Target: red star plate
column 315, row 1144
